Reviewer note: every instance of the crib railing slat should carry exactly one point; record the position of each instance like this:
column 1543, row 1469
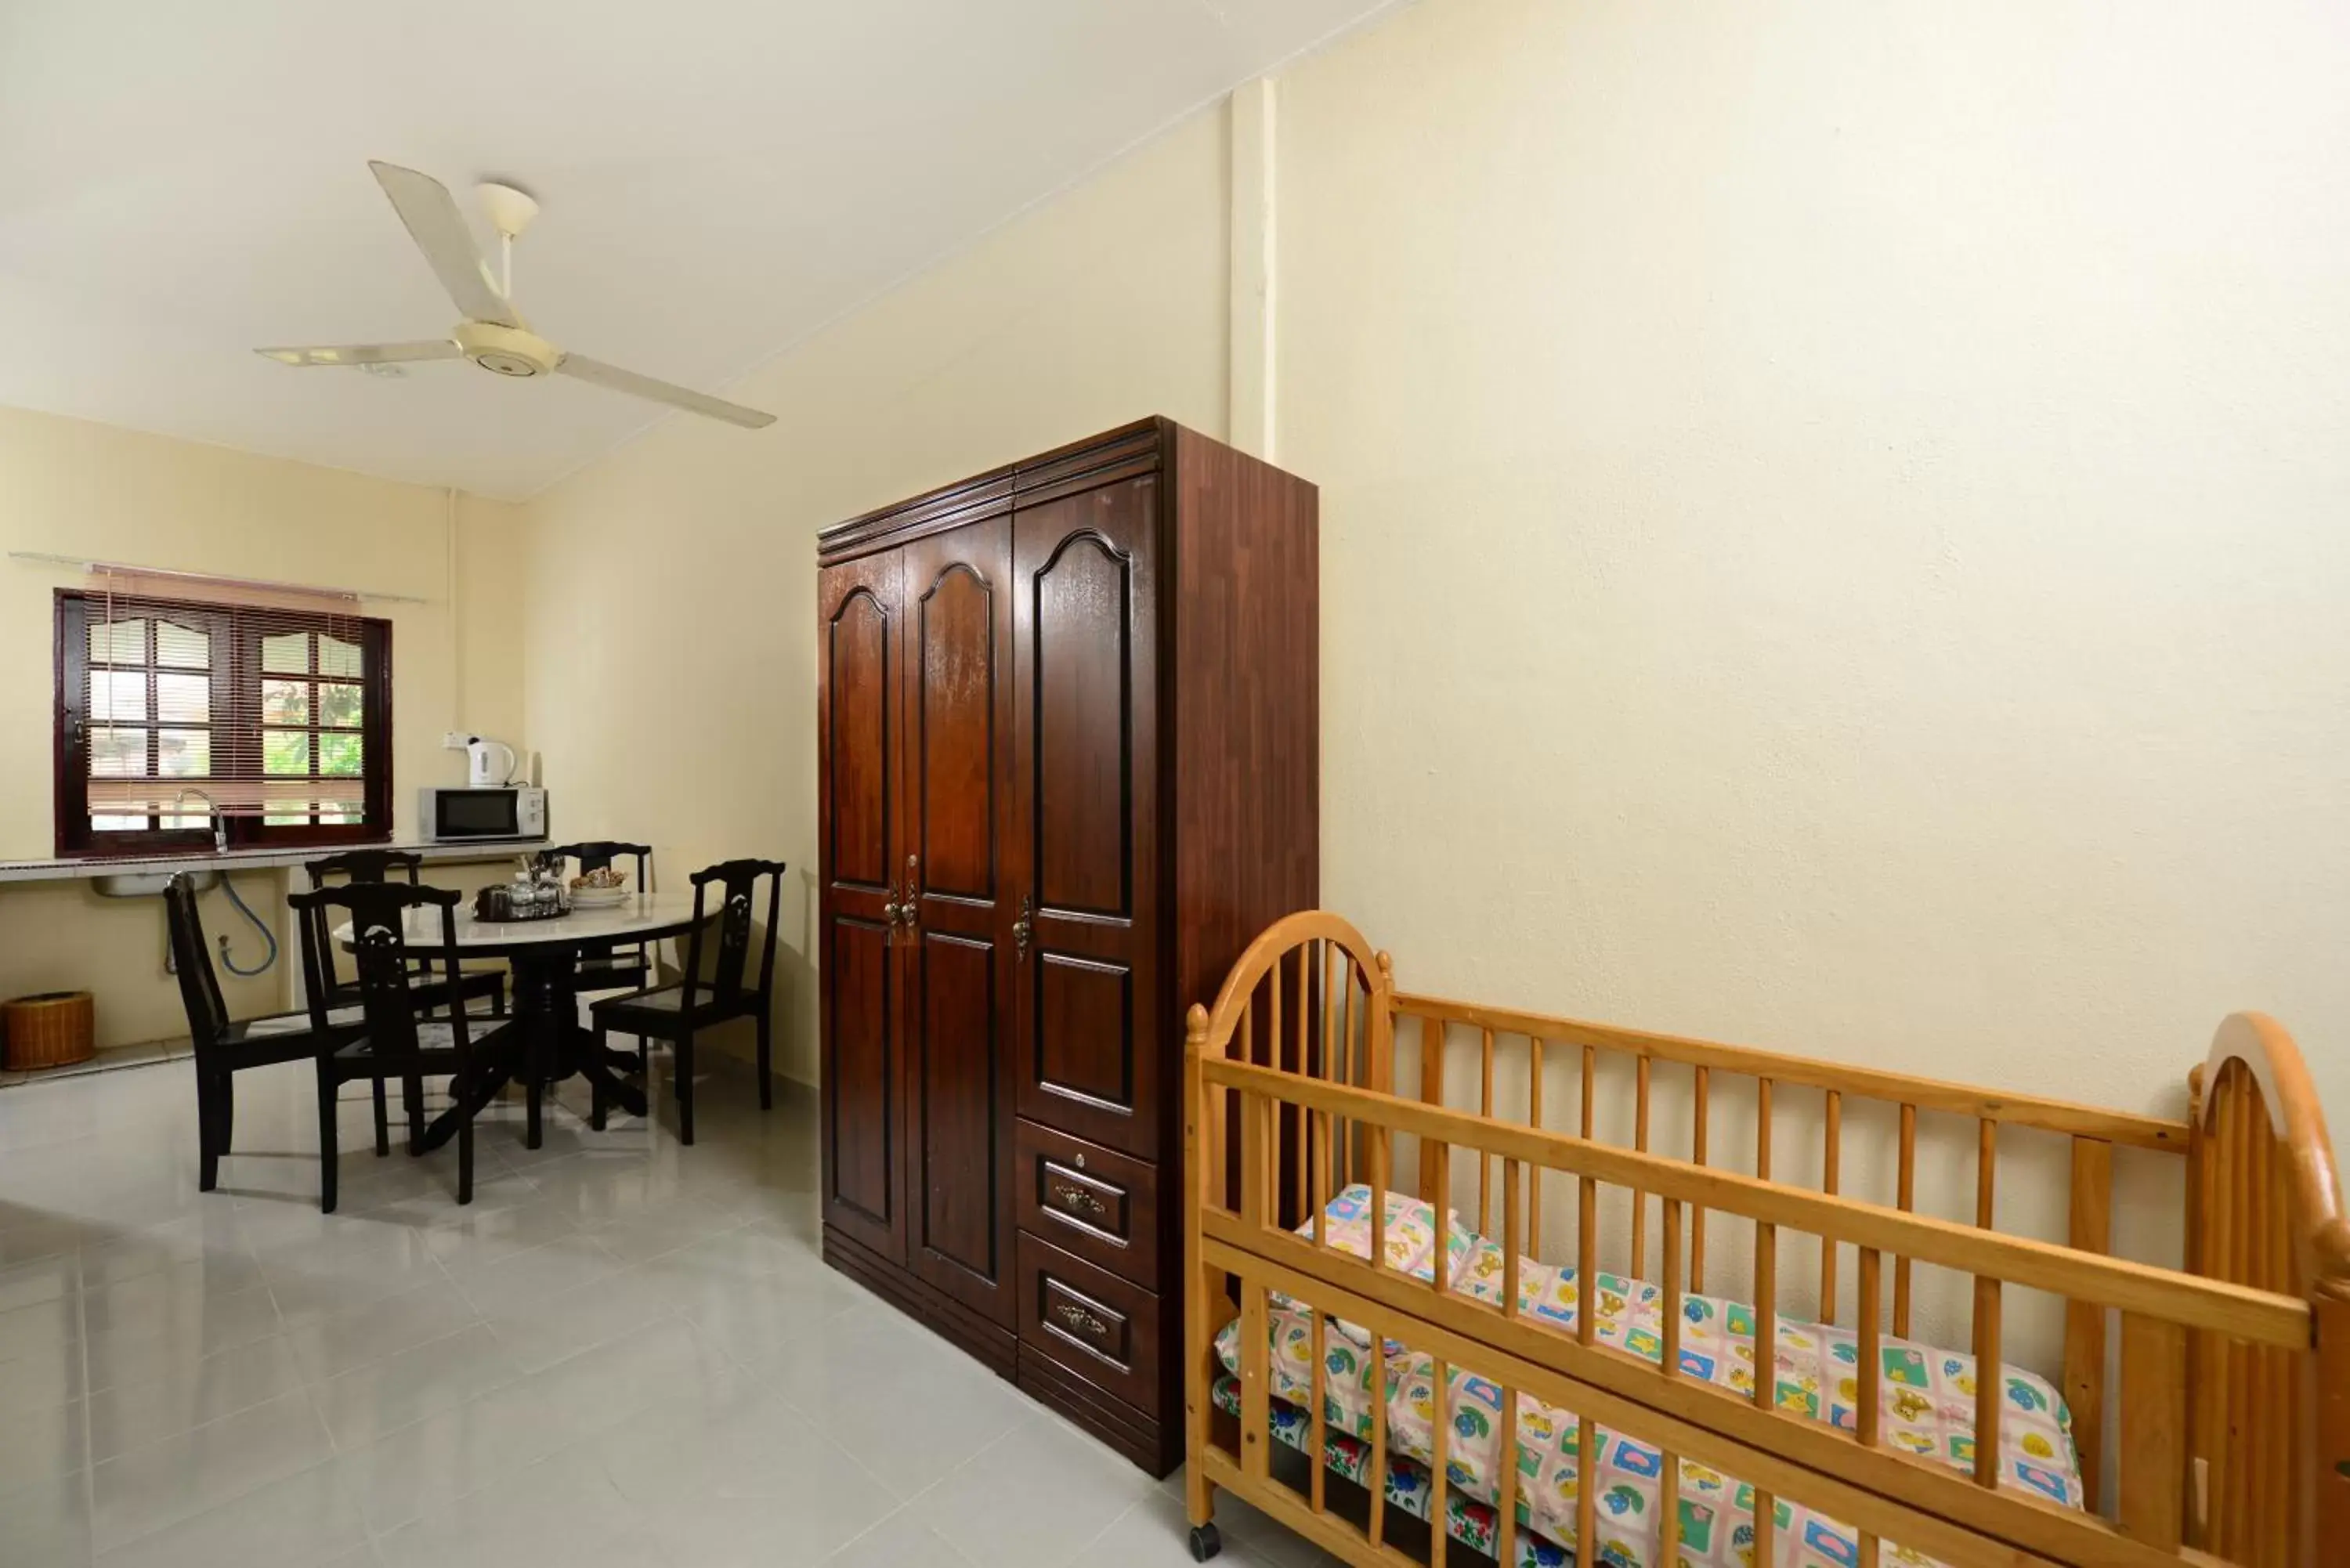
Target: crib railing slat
column 1990, row 1382
column 1697, row 1218
column 1256, row 1381
column 1533, row 1176
column 1378, row 1472
column 1440, row 1445
column 1669, row 1508
column 1640, row 1144
column 1586, row 1486
column 1484, row 1161
column 1870, row 1385
column 1512, row 1218
column 1319, row 1442
column 1439, row 1268
column 1907, row 1201
column 1766, row 1528
column 1670, row 1363
column 1506, row 1504
column 2090, row 1230
column 1831, row 1174
column 1381, row 1152
column 1432, row 1164
column 2152, row 1477
column 1766, row 1299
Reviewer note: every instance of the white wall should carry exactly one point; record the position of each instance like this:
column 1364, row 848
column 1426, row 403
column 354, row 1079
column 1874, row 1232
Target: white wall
column 93, row 492
column 1834, row 522
column 671, row 680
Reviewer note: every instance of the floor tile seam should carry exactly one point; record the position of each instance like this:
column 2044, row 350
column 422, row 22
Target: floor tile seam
column 89, row 1458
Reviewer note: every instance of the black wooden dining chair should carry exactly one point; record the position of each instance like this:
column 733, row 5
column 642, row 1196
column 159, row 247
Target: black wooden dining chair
column 678, row 1011
column 623, row 969
column 396, row 1040
column 224, row 1047
column 369, row 866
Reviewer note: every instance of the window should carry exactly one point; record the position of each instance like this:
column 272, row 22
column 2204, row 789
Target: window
column 168, row 710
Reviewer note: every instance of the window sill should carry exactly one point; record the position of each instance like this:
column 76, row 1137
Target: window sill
column 75, row 867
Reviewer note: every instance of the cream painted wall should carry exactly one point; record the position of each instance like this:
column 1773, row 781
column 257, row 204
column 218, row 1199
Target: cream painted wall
column 1832, row 524
column 94, row 492
column 671, row 676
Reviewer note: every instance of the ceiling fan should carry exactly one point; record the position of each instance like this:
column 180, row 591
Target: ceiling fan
column 493, row 334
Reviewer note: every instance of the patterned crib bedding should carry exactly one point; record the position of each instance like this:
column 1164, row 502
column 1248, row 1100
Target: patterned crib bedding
column 1927, row 1403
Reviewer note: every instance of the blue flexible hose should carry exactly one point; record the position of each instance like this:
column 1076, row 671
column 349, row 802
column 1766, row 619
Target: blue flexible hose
column 228, row 886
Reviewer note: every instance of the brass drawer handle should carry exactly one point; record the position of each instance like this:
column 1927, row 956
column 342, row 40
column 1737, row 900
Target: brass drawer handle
column 1079, row 1198
column 1078, row 1317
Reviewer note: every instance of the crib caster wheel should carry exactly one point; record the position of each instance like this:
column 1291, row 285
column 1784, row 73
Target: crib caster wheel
column 1205, row 1543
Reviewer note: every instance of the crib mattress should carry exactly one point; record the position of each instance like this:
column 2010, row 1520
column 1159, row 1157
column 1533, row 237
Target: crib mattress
column 1927, row 1402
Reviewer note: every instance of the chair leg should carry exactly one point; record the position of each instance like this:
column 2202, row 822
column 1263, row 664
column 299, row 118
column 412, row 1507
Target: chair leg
column 208, row 1120
column 382, row 1119
column 329, row 1158
column 412, row 1100
column 682, row 1065
column 596, row 1109
column 466, row 1159
column 226, row 1133
column 766, row 1068
column 533, row 1132
column 498, row 1001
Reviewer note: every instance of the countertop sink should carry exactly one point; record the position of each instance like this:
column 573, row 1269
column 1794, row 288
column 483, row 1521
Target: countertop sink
column 146, row 884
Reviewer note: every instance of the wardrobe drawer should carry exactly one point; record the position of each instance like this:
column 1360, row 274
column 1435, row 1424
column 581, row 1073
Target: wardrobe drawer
column 1091, row 1323
column 1093, row 1201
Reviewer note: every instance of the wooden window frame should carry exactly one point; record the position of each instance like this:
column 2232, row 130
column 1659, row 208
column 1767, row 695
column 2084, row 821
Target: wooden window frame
column 76, row 839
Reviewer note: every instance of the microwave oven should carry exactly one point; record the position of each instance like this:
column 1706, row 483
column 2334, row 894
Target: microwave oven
column 455, row 815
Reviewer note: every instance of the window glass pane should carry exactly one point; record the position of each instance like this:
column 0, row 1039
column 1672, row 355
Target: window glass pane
column 338, row 755
column 285, row 752
column 289, row 652
column 117, row 695
column 117, row 824
column 337, row 657
column 284, row 702
column 348, row 812
column 183, row 754
column 338, row 704
column 188, row 647
column 128, row 642
column 183, row 699
column 285, row 813
column 117, row 753
column 190, row 820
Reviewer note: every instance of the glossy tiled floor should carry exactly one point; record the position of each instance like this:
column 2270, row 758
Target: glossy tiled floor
column 625, row 1352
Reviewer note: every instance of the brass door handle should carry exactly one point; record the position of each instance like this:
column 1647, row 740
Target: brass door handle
column 1078, row 1317
column 1022, row 928
column 907, row 911
column 1079, row 1198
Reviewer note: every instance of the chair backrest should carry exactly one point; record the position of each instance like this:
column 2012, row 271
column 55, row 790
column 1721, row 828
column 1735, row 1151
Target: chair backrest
column 389, row 953
column 352, row 866
column 598, row 854
column 365, row 865
column 200, row 992
column 738, row 885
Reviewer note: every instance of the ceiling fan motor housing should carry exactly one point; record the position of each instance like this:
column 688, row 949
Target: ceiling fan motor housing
column 507, row 350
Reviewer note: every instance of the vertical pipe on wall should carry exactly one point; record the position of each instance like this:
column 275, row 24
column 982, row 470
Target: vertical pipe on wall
column 1249, row 373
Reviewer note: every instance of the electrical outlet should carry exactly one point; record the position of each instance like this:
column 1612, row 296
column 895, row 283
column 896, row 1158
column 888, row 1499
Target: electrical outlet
column 454, row 740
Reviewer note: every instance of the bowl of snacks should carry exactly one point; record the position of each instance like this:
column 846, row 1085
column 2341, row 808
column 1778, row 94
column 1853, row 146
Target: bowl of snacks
column 600, row 888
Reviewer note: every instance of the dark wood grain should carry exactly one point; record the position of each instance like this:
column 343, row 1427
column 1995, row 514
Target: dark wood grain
column 858, row 792
column 957, row 975
column 1090, row 1200
column 1094, row 1325
column 1099, row 780
column 1086, row 631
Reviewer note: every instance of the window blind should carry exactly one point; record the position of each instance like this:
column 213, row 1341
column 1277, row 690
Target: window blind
column 248, row 701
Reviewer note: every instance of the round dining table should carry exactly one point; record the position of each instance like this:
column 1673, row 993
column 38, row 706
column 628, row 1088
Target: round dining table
column 541, row 1042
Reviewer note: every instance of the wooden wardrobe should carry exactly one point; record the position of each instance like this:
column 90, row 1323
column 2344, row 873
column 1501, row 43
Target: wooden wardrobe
column 1069, row 764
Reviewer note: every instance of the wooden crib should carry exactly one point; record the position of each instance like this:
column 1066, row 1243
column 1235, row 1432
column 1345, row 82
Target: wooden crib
column 2222, row 1391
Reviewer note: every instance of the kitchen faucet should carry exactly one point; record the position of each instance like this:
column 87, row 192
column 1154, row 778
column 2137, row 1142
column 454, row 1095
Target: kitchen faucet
column 220, row 823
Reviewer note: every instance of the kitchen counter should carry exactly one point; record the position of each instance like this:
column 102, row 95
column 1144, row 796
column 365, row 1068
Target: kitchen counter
column 481, row 849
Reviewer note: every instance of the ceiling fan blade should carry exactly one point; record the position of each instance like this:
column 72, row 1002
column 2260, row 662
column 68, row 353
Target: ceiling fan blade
column 439, row 230
column 629, row 381
column 366, row 353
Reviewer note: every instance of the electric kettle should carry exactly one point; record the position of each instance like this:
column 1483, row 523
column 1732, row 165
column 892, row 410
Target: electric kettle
column 488, row 763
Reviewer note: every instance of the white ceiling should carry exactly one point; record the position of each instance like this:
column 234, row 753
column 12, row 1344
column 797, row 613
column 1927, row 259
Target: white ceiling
column 180, row 183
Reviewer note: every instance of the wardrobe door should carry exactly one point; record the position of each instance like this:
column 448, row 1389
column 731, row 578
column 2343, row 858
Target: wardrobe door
column 860, row 815
column 1086, row 628
column 955, row 951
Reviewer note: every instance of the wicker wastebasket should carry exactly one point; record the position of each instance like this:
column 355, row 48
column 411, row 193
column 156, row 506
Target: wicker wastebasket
column 53, row 1029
